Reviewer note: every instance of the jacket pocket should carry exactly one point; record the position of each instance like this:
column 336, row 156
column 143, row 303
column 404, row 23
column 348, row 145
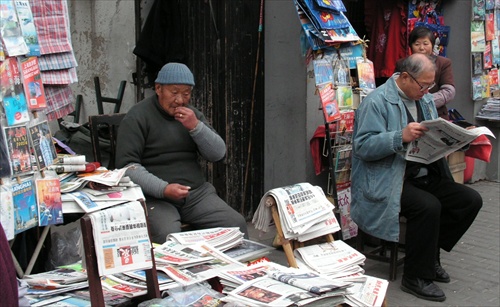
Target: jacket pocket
column 379, row 178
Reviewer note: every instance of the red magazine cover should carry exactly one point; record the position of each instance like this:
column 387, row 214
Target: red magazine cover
column 329, row 103
column 490, row 26
column 33, row 86
column 12, row 94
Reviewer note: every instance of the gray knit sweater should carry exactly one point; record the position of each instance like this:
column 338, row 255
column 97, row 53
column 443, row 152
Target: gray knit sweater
column 159, row 149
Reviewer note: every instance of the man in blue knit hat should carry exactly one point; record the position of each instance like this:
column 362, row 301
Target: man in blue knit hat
column 160, row 140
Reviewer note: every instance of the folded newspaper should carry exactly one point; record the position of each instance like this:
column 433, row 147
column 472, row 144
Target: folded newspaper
column 222, row 238
column 329, row 258
column 304, row 211
column 442, row 139
column 121, row 239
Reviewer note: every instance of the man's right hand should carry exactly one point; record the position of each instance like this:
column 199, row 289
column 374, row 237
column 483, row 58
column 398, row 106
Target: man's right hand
column 176, row 191
column 413, row 131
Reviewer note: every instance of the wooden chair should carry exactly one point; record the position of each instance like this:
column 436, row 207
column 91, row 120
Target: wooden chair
column 288, row 245
column 95, row 286
column 100, row 99
column 383, row 250
column 104, row 127
column 76, row 112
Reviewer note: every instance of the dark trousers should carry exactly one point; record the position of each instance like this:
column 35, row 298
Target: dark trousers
column 202, row 209
column 438, row 212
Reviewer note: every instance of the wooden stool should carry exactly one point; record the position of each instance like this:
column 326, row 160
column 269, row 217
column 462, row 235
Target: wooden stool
column 288, row 245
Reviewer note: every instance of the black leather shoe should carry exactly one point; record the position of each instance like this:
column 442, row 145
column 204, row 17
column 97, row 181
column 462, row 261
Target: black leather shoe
column 422, row 288
column 441, row 275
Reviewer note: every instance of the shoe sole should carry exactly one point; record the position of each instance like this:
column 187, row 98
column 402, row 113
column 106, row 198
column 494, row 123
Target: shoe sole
column 442, row 280
column 428, row 298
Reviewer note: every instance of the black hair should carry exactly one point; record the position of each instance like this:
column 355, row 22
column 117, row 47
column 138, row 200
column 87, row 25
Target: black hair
column 421, row 32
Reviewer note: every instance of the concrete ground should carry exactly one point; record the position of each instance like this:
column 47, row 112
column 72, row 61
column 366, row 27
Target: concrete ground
column 474, row 263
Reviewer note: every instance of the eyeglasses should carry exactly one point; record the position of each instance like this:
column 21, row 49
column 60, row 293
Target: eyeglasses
column 422, row 88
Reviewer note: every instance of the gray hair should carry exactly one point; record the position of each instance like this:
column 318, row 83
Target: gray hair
column 417, row 63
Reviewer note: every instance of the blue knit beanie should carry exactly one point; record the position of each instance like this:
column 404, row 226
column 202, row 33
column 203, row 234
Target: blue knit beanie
column 175, row 73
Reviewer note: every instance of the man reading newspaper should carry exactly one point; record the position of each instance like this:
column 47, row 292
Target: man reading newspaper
column 385, row 185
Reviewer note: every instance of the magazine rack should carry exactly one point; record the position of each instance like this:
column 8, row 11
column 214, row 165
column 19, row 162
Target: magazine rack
column 95, row 286
column 288, row 245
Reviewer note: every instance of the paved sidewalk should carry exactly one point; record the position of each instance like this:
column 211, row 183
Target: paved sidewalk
column 474, row 263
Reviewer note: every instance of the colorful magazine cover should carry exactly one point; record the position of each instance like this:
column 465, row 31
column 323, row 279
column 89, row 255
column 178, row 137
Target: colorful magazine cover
column 48, row 195
column 477, row 88
column 25, row 208
column 493, row 74
column 366, row 74
column 10, row 30
column 324, row 19
column 348, row 226
column 344, row 97
column 5, row 166
column 490, row 4
column 478, row 39
column 495, row 51
column 27, row 24
column 343, row 165
column 32, row 80
column 490, row 26
column 18, row 148
column 478, row 9
column 477, row 63
column 329, row 103
column 7, row 211
column 485, row 86
column 323, row 70
column 41, row 142
column 12, row 94
column 487, row 58
column 345, row 128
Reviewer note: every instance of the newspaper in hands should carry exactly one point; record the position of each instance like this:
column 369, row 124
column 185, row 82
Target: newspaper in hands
column 442, row 139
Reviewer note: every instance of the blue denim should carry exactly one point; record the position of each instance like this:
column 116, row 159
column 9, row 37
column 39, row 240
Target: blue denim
column 378, row 163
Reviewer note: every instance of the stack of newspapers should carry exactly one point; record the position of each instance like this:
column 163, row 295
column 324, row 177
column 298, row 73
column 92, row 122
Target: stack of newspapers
column 195, row 256
column 305, row 212
column 270, row 284
column 335, row 258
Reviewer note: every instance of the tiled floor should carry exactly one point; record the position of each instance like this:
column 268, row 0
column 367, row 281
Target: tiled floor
column 474, row 263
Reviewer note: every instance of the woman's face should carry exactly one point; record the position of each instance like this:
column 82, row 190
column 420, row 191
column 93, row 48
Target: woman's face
column 422, row 45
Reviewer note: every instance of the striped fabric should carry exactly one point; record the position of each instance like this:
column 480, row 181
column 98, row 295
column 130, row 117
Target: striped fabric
column 59, row 77
column 59, row 101
column 52, row 25
column 56, row 61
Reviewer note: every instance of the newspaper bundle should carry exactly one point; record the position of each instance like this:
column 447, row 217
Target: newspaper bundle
column 304, row 211
column 190, row 272
column 181, row 255
column 265, row 291
column 233, row 278
column 219, row 237
column 248, row 250
column 121, row 239
column 330, row 258
column 308, row 280
column 442, row 139
column 370, row 292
